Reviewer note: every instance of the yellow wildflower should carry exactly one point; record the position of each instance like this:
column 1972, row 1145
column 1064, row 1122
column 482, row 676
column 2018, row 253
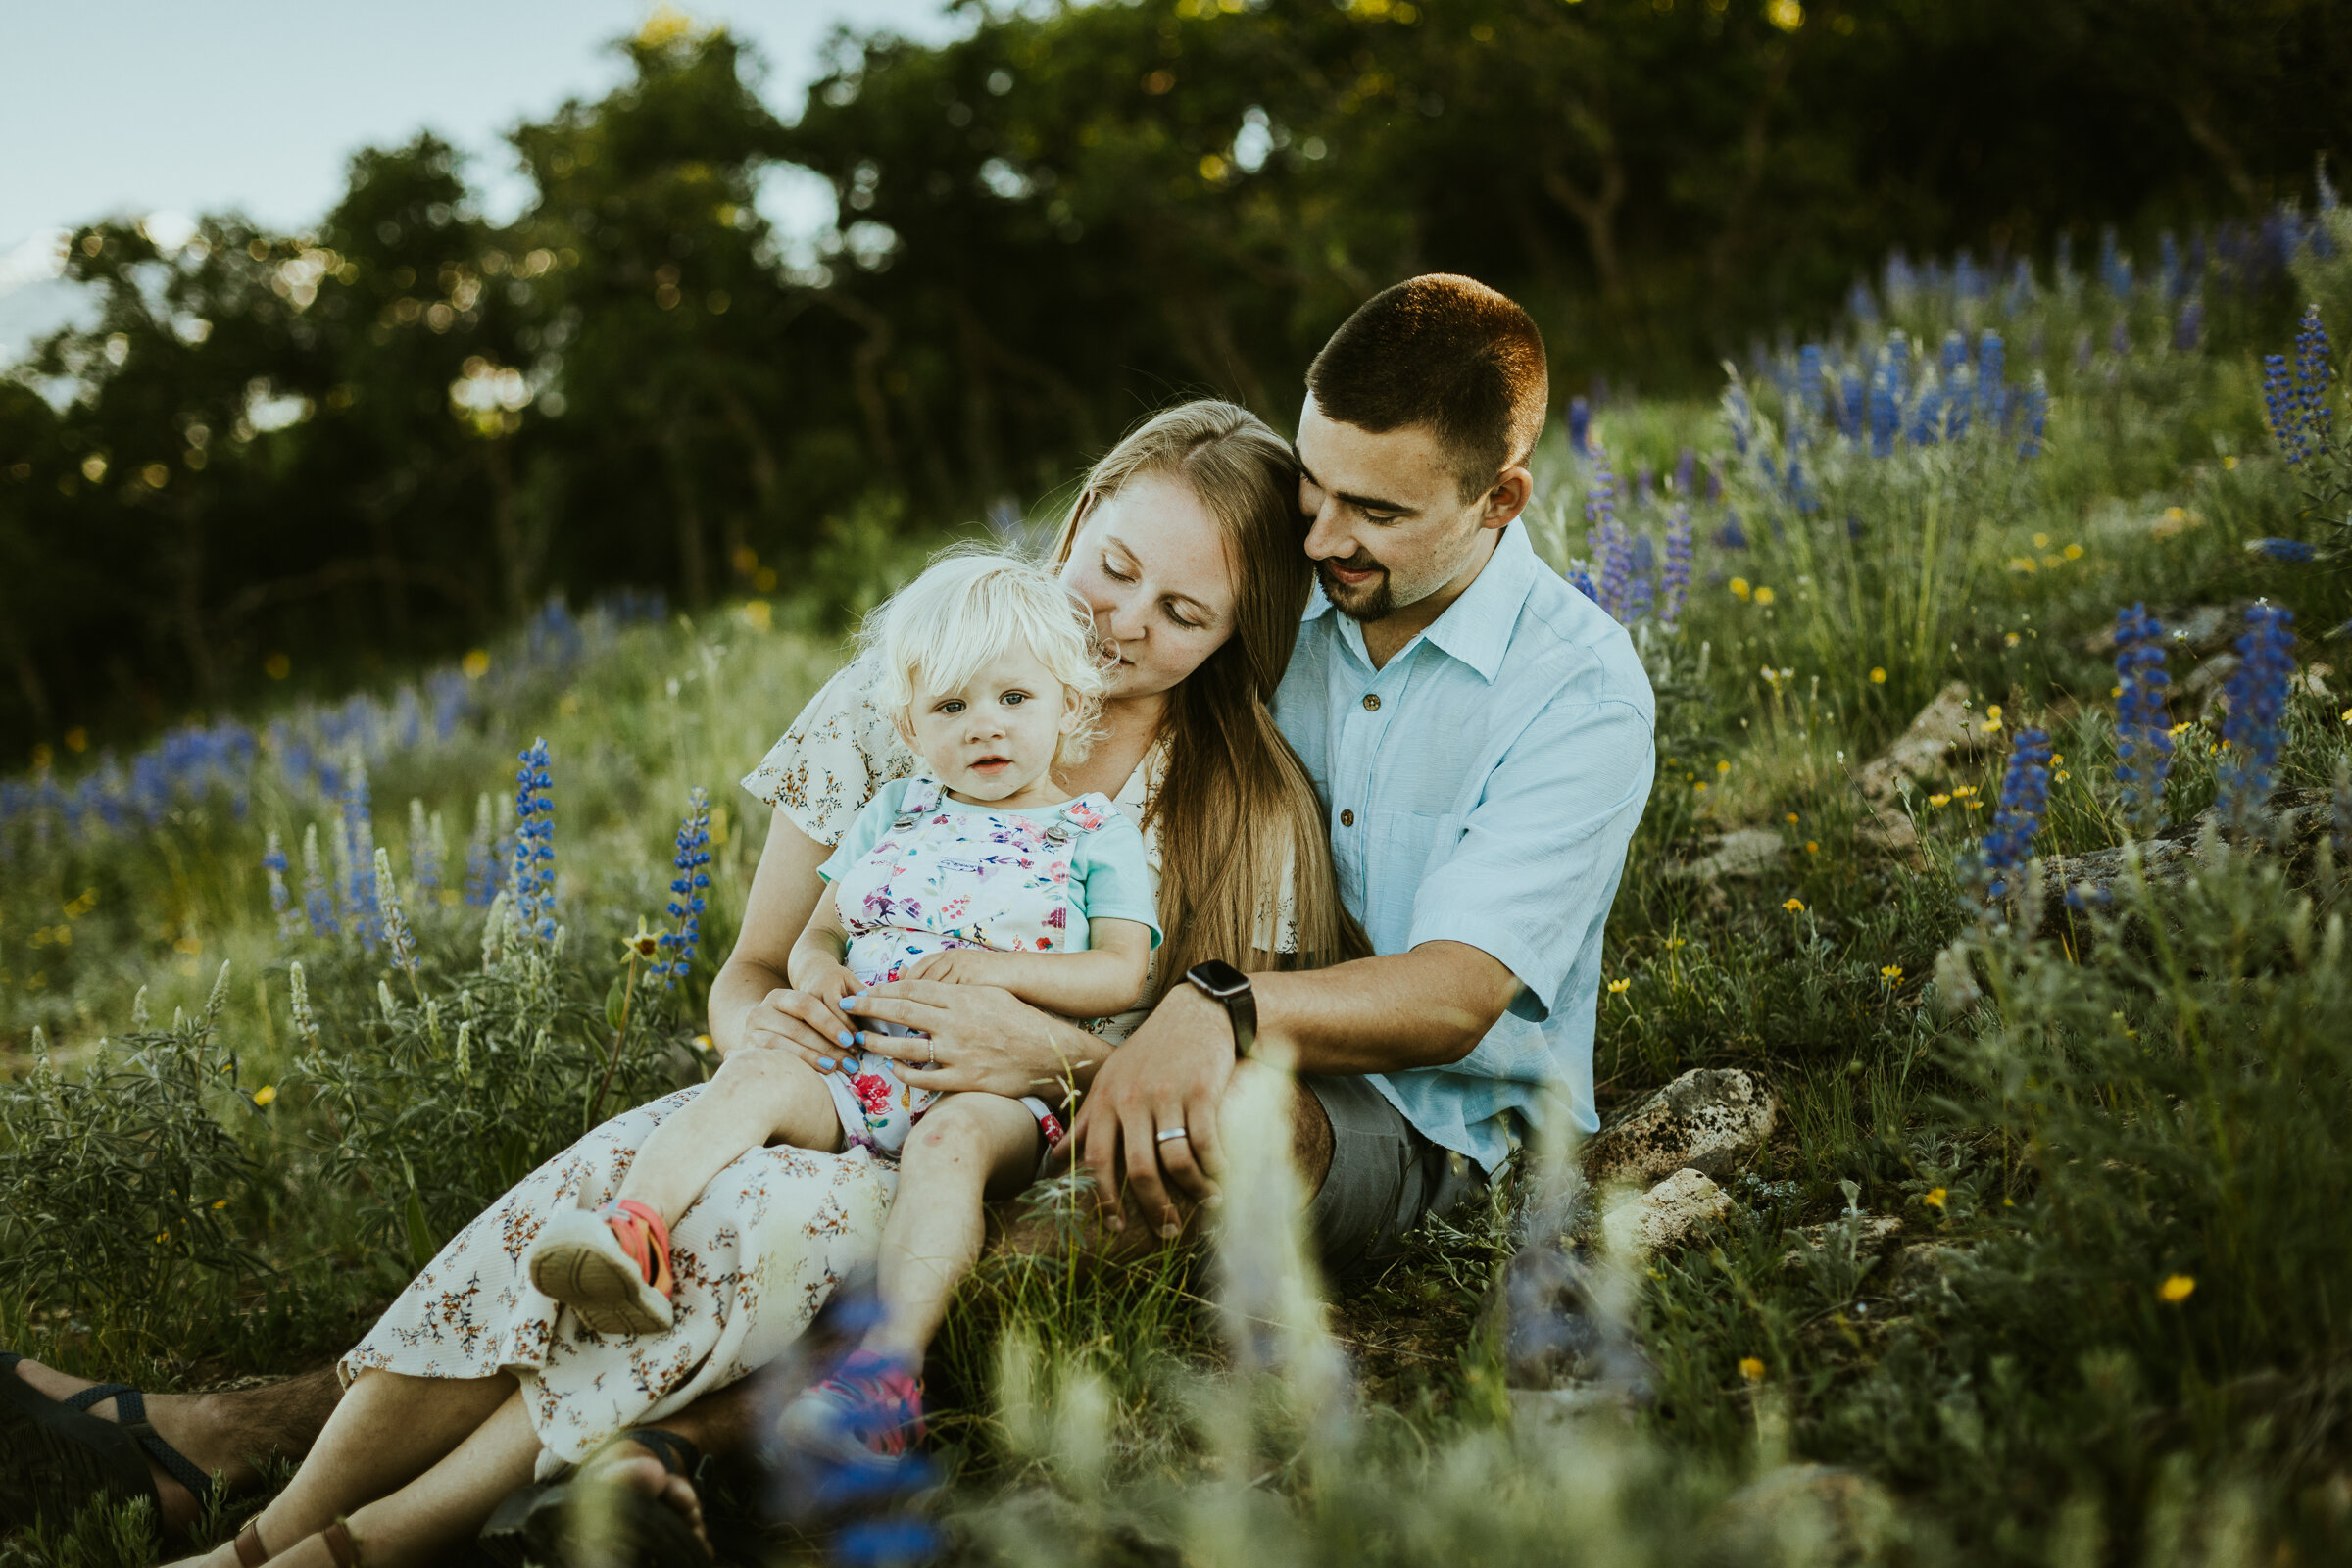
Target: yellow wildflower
column 1722, row 767
column 1739, row 589
column 1795, row 905
column 1963, row 791
column 1939, row 800
column 2073, row 552
column 1812, row 847
column 642, row 943
column 1791, row 817
column 2176, row 1289
column 1878, row 676
column 2010, row 640
column 1934, row 1198
column 1763, row 596
column 266, row 1094
column 475, row 664
column 1751, row 1368
column 2041, row 541
column 1891, row 973
column 1618, row 988
column 220, row 1202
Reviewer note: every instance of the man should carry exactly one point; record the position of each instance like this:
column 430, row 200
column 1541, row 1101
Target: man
column 1480, row 734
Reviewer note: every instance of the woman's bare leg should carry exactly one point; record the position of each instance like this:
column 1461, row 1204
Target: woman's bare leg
column 756, row 1098
column 965, row 1146
column 389, row 1428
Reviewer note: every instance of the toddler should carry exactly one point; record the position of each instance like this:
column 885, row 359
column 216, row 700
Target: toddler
column 977, row 870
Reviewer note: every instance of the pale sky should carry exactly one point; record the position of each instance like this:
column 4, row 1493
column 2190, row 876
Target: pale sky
column 132, row 107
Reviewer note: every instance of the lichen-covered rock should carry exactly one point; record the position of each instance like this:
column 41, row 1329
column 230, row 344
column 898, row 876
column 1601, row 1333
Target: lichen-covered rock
column 1940, row 737
column 1817, row 1515
column 2290, row 826
column 1872, row 1235
column 1747, row 852
column 1710, row 1119
column 1640, row 1224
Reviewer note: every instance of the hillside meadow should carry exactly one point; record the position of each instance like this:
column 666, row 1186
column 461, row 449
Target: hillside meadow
column 2041, row 1262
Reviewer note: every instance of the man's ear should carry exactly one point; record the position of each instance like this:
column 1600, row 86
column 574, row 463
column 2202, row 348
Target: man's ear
column 1508, row 497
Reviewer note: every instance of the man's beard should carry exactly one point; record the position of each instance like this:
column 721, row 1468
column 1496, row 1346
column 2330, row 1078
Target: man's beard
column 1370, row 601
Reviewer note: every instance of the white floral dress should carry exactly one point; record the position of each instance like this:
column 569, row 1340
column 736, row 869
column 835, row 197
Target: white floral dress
column 763, row 1246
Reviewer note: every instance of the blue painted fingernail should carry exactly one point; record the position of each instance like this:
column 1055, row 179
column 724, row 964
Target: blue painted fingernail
column 861, row 1037
column 825, row 1063
column 844, row 1038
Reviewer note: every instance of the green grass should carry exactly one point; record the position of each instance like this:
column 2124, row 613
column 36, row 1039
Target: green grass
column 2164, row 1105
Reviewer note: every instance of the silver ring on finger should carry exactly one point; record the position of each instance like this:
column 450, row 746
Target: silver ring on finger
column 933, row 1061
column 1170, row 1135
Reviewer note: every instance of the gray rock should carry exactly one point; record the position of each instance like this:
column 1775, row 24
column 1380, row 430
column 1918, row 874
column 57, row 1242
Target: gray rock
column 1939, row 737
column 1923, row 1270
column 1743, row 853
column 1872, row 1235
column 1710, row 1119
column 1640, row 1224
column 1814, row 1515
column 2291, row 826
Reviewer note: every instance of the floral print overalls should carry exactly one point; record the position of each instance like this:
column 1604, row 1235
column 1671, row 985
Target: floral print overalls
column 951, row 875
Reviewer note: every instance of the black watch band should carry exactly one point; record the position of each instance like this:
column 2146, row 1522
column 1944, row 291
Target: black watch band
column 1227, row 986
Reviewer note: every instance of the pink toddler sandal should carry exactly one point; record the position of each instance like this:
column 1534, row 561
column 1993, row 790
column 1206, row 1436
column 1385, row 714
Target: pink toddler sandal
column 611, row 1266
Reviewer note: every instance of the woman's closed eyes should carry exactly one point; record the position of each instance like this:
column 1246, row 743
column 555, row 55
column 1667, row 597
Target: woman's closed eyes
column 1167, row 607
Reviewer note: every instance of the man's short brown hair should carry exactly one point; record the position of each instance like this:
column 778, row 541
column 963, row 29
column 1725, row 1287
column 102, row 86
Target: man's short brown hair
column 1446, row 352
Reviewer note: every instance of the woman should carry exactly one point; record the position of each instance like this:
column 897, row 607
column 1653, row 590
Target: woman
column 1185, row 542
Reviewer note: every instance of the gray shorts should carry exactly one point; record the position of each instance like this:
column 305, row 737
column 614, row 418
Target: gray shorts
column 1384, row 1177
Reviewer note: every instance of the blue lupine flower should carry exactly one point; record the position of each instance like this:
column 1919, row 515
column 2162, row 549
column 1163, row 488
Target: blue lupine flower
column 2143, row 735
column 360, row 901
column 534, row 873
column 1926, row 416
column 2025, row 796
column 1993, row 369
column 2313, row 371
column 483, row 862
column 1809, row 374
column 1730, row 536
column 403, row 942
column 2020, row 292
column 1886, row 410
column 1579, row 427
column 1685, row 466
column 1861, row 304
column 2294, row 551
column 281, row 901
column 317, row 900
column 1959, row 404
column 2257, row 693
column 686, row 889
column 1850, row 406
column 1714, row 485
column 1897, row 358
column 2169, row 276
column 2114, row 270
column 2034, row 412
column 1582, row 581
column 1742, row 418
column 1955, row 352
column 2281, row 408
column 1675, row 583
column 2189, row 331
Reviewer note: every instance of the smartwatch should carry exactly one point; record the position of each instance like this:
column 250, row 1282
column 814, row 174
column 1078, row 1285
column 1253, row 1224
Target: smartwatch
column 1227, row 986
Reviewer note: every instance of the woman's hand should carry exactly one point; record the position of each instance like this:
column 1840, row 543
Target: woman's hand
column 808, row 1023
column 980, row 1038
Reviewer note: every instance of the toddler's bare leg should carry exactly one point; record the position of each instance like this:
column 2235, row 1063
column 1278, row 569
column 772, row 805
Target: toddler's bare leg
column 756, row 1098
column 963, row 1147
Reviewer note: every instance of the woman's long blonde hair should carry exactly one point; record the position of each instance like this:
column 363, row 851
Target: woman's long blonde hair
column 1235, row 809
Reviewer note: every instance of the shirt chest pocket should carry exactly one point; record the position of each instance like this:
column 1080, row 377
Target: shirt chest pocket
column 1401, row 847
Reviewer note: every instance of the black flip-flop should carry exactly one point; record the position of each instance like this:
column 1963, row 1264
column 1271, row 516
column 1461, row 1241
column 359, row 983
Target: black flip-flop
column 54, row 1456
column 536, row 1524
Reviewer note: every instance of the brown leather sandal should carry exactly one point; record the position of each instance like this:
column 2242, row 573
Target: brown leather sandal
column 345, row 1550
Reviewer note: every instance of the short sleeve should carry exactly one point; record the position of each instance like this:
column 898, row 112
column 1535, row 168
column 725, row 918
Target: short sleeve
column 837, row 754
column 1118, row 882
column 867, row 828
column 1537, row 860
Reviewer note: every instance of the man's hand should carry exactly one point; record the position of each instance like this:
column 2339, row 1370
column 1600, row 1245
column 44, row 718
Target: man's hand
column 963, row 967
column 1170, row 1074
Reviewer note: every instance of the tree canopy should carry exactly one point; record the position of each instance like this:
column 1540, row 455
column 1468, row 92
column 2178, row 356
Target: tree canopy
column 380, row 439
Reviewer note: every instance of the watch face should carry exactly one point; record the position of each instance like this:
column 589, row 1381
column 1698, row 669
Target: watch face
column 1217, row 977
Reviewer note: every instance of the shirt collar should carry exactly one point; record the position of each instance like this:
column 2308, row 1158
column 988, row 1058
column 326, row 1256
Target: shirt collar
column 1475, row 629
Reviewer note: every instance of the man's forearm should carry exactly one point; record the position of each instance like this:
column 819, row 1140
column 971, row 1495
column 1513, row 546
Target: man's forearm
column 1424, row 1009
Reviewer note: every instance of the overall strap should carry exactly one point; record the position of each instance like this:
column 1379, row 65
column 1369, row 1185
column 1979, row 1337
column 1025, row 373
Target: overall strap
column 1082, row 816
column 922, row 798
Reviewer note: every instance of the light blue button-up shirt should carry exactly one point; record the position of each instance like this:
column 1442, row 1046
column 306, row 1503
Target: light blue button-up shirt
column 1483, row 787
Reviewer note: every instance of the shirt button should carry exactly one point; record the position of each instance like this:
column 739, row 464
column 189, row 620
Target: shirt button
column 1346, row 819
column 1371, row 702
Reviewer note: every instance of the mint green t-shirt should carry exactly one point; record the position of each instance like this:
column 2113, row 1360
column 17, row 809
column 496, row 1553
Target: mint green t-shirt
column 1110, row 878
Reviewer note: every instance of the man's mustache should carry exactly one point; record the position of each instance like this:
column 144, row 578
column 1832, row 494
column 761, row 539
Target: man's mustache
column 1359, row 562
